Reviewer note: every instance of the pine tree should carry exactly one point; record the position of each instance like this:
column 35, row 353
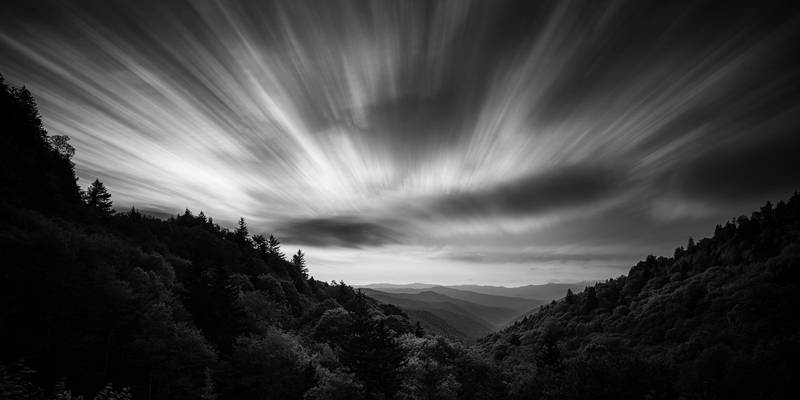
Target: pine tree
column 299, row 262
column 570, row 298
column 274, row 248
column 134, row 215
column 98, row 198
column 241, row 233
column 549, row 355
column 260, row 244
column 187, row 219
column 372, row 352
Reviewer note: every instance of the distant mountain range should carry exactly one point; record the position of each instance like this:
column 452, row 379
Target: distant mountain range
column 467, row 312
column 548, row 291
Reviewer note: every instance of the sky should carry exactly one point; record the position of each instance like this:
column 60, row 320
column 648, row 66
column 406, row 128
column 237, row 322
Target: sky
column 450, row 142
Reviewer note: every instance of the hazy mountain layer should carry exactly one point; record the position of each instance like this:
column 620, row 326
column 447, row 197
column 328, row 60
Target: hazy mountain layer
column 465, row 319
column 546, row 292
column 470, row 315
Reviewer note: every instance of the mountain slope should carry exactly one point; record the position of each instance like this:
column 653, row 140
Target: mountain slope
column 517, row 304
column 467, row 314
column 494, row 317
column 546, row 292
column 459, row 316
column 395, row 286
column 717, row 320
column 454, row 325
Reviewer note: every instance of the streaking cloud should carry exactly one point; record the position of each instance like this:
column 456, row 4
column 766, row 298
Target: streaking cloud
column 427, row 141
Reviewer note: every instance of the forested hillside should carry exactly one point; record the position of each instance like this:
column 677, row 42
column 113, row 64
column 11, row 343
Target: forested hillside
column 455, row 313
column 114, row 305
column 440, row 314
column 719, row 319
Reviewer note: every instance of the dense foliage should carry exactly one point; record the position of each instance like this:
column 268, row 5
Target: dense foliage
column 717, row 320
column 35, row 170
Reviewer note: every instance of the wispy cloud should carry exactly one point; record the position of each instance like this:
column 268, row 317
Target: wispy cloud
column 339, row 231
column 364, row 126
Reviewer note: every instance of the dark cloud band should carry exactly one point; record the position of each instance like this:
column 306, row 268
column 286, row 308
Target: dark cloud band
column 557, row 189
column 339, row 231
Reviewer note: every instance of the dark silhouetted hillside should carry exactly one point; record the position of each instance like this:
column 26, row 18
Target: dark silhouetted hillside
column 717, row 320
column 35, row 169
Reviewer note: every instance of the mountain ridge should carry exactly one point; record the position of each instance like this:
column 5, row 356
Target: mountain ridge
column 494, row 312
column 719, row 316
column 459, row 317
column 547, row 291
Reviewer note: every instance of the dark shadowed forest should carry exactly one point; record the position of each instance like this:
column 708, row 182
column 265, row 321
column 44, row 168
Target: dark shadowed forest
column 102, row 303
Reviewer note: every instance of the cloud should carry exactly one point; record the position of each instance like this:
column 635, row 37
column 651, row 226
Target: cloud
column 555, row 189
column 337, row 231
column 750, row 167
column 424, row 124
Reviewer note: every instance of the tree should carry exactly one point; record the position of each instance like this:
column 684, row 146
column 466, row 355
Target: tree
column 60, row 143
column 590, row 302
column 372, row 352
column 187, row 219
column 134, row 215
column 35, row 171
column 241, row 233
column 299, row 262
column 549, row 355
column 273, row 365
column 570, row 298
column 312, row 284
column 260, row 244
column 335, row 385
column 98, row 198
column 274, row 248
column 334, row 325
